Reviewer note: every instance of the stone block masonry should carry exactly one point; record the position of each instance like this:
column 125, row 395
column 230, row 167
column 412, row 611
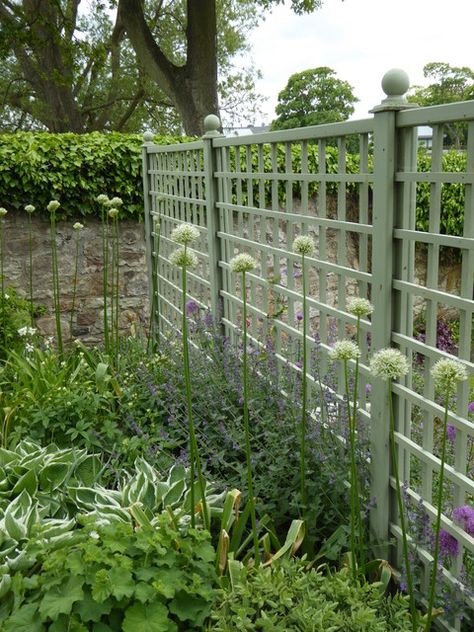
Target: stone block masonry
column 88, row 317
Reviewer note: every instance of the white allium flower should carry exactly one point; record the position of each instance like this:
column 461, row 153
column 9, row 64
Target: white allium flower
column 359, row 306
column 78, row 226
column 242, row 263
column 3, row 211
column 446, row 373
column 389, row 364
column 102, row 198
column 29, row 208
column 182, row 257
column 53, row 206
column 345, row 350
column 113, row 213
column 304, row 245
column 116, row 201
column 185, row 234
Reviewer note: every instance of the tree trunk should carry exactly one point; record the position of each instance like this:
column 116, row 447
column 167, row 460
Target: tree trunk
column 191, row 88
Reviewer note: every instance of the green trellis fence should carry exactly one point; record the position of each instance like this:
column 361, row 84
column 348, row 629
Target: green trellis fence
column 257, row 193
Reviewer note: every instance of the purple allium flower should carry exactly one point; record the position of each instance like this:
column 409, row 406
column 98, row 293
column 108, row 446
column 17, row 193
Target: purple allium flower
column 299, row 316
column 191, row 308
column 465, row 516
column 470, row 408
column 297, row 274
column 368, row 389
column 299, row 364
column 451, row 433
column 448, row 545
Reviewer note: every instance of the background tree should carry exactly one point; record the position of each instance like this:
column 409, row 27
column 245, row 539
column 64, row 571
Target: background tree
column 450, row 84
column 313, row 97
column 63, row 71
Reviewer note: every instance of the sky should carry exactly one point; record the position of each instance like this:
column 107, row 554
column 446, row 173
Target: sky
column 361, row 40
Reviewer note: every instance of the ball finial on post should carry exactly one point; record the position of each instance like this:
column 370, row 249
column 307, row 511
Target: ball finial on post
column 395, row 84
column 212, row 125
column 148, row 137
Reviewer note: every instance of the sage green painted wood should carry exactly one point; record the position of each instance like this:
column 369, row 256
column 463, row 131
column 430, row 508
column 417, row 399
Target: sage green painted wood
column 150, row 260
column 212, row 214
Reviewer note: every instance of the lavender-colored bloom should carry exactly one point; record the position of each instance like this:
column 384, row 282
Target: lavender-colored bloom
column 191, row 308
column 448, row 545
column 470, row 408
column 368, row 389
column 465, row 516
column 299, row 316
column 451, row 433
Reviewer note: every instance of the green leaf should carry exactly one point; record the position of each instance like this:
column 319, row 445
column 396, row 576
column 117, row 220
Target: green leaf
column 53, row 475
column 25, row 619
column 189, row 608
column 59, row 599
column 122, row 582
column 148, row 618
column 28, row 481
column 90, row 610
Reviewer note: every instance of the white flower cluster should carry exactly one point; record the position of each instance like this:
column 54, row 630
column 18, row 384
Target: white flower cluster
column 304, row 245
column 53, row 206
column 359, row 306
column 102, row 198
column 345, row 350
column 389, row 364
column 447, row 373
column 113, row 213
column 3, row 211
column 78, row 226
column 183, row 258
column 26, row 331
column 242, row 263
column 185, row 234
column 29, row 208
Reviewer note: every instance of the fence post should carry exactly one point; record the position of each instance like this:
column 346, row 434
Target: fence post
column 395, row 83
column 149, row 250
column 211, row 127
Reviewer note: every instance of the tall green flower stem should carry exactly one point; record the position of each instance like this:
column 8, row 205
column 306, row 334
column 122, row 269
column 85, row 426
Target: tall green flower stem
column 115, row 290
column 303, row 246
column 358, row 307
column 390, row 364
column 154, row 329
column 30, row 209
column 242, row 264
column 3, row 212
column 346, row 350
column 446, row 374
column 184, row 235
column 104, row 201
column 52, row 208
column 77, row 231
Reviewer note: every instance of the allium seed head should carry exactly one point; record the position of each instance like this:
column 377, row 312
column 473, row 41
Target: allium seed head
column 304, row 245
column 183, row 258
column 389, row 364
column 242, row 263
column 53, row 206
column 29, row 208
column 116, row 201
column 359, row 306
column 345, row 350
column 102, row 198
column 78, row 226
column 185, row 234
column 113, row 213
column 3, row 212
column 446, row 373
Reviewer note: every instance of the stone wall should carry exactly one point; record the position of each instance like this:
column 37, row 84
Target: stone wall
column 134, row 305
column 88, row 318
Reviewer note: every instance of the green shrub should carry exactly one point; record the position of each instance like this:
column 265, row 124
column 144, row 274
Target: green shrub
column 287, row 597
column 72, row 168
column 115, row 577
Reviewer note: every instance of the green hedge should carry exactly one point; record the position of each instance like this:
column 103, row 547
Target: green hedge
column 74, row 169
column 36, row 167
